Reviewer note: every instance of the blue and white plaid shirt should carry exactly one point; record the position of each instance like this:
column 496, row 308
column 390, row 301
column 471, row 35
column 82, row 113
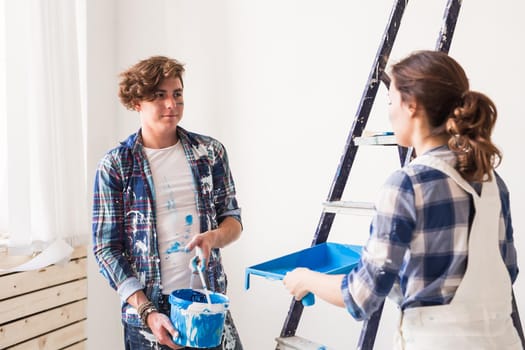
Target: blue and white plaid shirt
column 417, row 249
column 124, row 232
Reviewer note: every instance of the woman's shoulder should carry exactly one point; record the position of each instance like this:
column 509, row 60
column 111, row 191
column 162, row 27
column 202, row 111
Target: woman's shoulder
column 413, row 176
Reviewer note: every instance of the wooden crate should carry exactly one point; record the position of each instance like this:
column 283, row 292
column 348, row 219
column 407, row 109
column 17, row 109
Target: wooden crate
column 45, row 309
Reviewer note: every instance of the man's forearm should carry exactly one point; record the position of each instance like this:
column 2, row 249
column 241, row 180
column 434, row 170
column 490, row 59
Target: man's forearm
column 229, row 230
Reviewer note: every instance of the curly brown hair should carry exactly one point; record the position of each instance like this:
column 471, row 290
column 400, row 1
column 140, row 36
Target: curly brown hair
column 439, row 84
column 141, row 81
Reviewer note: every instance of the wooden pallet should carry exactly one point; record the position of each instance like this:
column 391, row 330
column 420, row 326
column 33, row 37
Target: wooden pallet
column 47, row 308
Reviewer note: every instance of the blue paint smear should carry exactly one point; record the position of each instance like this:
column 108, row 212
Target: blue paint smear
column 189, row 220
column 175, row 247
column 205, row 328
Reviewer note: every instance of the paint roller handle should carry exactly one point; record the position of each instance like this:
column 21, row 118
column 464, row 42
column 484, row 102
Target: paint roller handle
column 308, row 300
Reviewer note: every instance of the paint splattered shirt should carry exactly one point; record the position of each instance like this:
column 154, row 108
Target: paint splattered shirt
column 124, row 232
column 417, row 249
column 175, row 210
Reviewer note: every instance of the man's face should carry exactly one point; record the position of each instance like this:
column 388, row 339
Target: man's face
column 160, row 117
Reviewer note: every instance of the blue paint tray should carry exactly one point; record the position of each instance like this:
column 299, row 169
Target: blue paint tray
column 330, row 258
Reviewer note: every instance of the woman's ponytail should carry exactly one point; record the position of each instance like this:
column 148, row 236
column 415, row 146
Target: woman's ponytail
column 470, row 127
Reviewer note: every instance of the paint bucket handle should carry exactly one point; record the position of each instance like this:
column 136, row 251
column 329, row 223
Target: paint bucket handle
column 198, row 263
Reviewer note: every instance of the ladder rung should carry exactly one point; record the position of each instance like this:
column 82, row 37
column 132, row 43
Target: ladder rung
column 387, row 140
column 349, row 207
column 298, row 343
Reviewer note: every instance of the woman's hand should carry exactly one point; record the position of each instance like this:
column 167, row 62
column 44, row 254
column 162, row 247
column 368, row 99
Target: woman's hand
column 302, row 281
column 296, row 282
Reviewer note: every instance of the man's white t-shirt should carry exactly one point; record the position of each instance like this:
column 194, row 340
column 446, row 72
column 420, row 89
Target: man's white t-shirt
column 177, row 219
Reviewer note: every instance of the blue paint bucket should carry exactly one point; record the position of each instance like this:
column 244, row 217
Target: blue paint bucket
column 198, row 323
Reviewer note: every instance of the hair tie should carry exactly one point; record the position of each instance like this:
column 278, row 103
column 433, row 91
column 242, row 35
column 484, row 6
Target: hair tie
column 464, row 96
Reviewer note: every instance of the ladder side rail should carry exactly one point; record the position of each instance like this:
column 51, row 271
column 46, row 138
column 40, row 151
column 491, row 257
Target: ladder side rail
column 404, row 153
column 346, row 161
column 368, row 334
column 516, row 320
column 450, row 17
column 375, row 77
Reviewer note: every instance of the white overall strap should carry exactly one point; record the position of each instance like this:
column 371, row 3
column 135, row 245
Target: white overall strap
column 446, row 168
column 486, row 280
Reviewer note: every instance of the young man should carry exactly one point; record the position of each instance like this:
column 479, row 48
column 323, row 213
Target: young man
column 158, row 195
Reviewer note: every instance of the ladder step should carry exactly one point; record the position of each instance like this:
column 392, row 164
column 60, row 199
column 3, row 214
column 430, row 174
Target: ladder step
column 349, row 207
column 386, row 139
column 298, row 343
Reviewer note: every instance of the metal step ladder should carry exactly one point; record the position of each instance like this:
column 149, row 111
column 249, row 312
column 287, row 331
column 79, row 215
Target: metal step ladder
column 288, row 340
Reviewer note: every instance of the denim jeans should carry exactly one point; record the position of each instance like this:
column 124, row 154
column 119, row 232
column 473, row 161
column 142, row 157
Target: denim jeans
column 141, row 338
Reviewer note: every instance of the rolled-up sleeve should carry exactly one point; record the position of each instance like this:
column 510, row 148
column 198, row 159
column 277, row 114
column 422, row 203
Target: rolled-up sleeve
column 365, row 288
column 224, row 195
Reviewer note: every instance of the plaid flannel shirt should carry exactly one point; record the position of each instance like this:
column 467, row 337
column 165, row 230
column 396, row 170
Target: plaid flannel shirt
column 417, row 249
column 124, row 233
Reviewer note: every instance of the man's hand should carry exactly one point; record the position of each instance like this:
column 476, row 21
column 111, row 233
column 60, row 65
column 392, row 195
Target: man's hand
column 228, row 231
column 205, row 242
column 162, row 329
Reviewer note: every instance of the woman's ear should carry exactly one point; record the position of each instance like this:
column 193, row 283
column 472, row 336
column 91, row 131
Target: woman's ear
column 412, row 108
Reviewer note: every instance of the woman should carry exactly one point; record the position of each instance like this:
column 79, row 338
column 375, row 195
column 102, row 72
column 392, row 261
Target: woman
column 441, row 240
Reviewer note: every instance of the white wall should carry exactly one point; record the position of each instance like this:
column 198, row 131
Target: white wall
column 103, row 328
column 279, row 82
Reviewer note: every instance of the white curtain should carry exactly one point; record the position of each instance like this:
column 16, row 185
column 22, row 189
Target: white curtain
column 42, row 152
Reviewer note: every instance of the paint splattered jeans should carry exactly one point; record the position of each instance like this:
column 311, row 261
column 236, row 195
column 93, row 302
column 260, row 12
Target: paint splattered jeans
column 138, row 338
